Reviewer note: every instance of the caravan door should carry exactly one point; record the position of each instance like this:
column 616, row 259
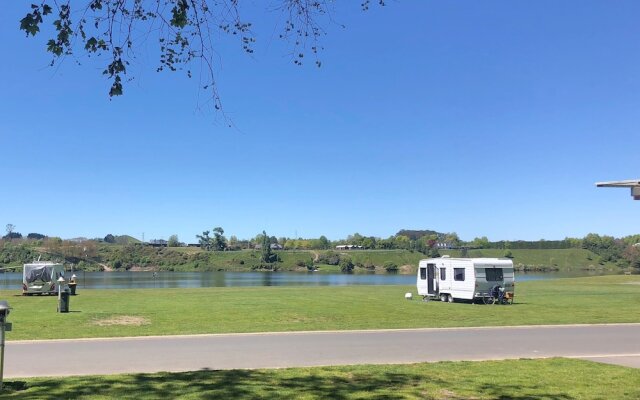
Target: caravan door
column 427, row 280
column 432, row 284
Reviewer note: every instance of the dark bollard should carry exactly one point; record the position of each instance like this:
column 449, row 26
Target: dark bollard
column 63, row 304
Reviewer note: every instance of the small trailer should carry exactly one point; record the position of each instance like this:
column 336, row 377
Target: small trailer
column 486, row 279
column 40, row 277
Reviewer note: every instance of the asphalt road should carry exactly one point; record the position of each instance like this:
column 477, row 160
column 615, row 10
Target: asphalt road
column 607, row 343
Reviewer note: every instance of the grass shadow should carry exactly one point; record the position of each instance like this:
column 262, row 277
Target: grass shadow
column 339, row 383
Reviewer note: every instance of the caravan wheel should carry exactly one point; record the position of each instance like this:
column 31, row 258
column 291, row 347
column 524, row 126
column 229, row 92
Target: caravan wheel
column 488, row 299
column 443, row 297
column 450, row 299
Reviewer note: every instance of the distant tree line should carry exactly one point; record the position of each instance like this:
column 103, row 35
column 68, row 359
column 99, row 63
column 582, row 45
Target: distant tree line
column 526, row 244
column 622, row 251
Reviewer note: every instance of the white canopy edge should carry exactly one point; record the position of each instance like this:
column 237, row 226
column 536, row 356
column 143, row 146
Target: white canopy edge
column 627, row 183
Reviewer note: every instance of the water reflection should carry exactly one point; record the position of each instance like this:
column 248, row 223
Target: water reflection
column 159, row 280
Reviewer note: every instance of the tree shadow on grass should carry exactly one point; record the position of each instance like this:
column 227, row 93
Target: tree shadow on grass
column 321, row 383
column 498, row 392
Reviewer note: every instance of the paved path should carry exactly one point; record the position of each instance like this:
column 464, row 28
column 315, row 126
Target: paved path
column 607, row 343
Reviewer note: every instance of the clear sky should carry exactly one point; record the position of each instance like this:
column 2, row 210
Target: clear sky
column 485, row 118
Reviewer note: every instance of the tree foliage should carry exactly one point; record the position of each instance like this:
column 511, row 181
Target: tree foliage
column 186, row 32
column 9, row 229
column 218, row 242
column 346, row 264
column 11, row 234
column 267, row 254
column 205, row 241
column 173, row 241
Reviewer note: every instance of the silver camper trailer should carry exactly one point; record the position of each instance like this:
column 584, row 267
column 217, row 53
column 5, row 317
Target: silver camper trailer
column 486, row 279
column 41, row 277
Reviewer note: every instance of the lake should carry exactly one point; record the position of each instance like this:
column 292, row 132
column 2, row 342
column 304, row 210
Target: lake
column 140, row 280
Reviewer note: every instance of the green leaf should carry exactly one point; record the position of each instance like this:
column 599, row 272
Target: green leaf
column 116, row 88
column 96, row 5
column 29, row 24
column 53, row 47
column 179, row 12
column 91, row 45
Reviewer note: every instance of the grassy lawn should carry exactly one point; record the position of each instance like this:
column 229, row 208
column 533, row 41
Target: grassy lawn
column 512, row 379
column 131, row 312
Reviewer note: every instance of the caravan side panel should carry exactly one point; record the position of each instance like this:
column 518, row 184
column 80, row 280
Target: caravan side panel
column 462, row 279
column 503, row 275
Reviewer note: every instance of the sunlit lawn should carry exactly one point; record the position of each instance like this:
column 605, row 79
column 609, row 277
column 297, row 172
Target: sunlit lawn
column 133, row 312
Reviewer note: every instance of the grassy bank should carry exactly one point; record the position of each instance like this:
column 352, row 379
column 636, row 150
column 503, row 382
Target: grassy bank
column 122, row 257
column 533, row 258
column 523, row 379
column 195, row 259
column 110, row 313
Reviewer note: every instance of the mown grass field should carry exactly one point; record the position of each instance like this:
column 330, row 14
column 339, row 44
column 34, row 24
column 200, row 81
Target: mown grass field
column 132, row 312
column 560, row 258
column 557, row 379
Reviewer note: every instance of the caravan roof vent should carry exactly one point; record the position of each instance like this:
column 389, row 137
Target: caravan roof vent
column 446, row 256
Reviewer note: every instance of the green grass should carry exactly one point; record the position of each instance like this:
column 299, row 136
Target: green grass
column 559, row 258
column 195, row 259
column 557, row 379
column 607, row 299
column 245, row 259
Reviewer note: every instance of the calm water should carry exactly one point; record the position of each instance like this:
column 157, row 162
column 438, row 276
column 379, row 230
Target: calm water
column 131, row 280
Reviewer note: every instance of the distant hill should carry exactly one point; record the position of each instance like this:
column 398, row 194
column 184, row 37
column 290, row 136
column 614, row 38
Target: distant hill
column 417, row 234
column 126, row 239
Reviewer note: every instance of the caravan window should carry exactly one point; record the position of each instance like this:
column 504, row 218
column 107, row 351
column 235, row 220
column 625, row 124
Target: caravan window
column 443, row 274
column 458, row 274
column 423, row 273
column 493, row 274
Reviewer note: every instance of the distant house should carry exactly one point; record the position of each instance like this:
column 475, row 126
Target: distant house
column 274, row 246
column 158, row 243
column 78, row 240
column 348, row 247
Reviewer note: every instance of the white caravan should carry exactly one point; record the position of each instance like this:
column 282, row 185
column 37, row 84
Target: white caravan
column 41, row 277
column 465, row 278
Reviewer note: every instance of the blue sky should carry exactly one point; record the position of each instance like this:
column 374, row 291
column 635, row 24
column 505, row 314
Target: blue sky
column 485, row 118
